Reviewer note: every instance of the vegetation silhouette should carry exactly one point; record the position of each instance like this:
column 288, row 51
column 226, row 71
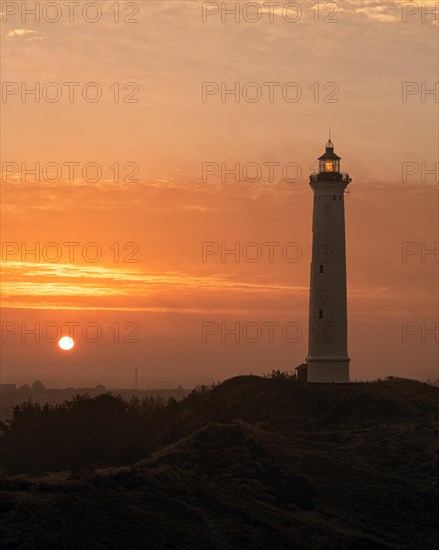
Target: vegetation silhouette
column 254, row 462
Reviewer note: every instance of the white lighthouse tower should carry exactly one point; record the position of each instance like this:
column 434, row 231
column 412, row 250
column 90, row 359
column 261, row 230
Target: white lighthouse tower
column 328, row 359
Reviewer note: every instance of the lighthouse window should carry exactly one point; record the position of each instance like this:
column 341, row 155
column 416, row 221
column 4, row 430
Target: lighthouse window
column 320, row 313
column 321, row 269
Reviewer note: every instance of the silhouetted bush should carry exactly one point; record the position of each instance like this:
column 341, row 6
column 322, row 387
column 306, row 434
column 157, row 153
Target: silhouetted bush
column 101, row 430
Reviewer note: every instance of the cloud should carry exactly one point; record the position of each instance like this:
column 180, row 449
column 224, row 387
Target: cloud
column 20, row 32
column 378, row 13
column 28, row 34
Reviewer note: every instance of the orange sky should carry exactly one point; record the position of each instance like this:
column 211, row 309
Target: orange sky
column 168, row 291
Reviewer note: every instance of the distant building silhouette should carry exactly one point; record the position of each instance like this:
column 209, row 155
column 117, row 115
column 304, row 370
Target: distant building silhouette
column 302, row 372
column 7, row 388
column 38, row 386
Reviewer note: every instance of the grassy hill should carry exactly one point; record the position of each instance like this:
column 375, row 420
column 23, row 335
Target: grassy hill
column 258, row 463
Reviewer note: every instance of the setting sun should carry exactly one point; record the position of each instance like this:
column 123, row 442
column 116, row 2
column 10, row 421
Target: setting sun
column 66, row 343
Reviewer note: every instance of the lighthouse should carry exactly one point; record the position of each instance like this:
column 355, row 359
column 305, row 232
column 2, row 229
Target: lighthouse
column 327, row 359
